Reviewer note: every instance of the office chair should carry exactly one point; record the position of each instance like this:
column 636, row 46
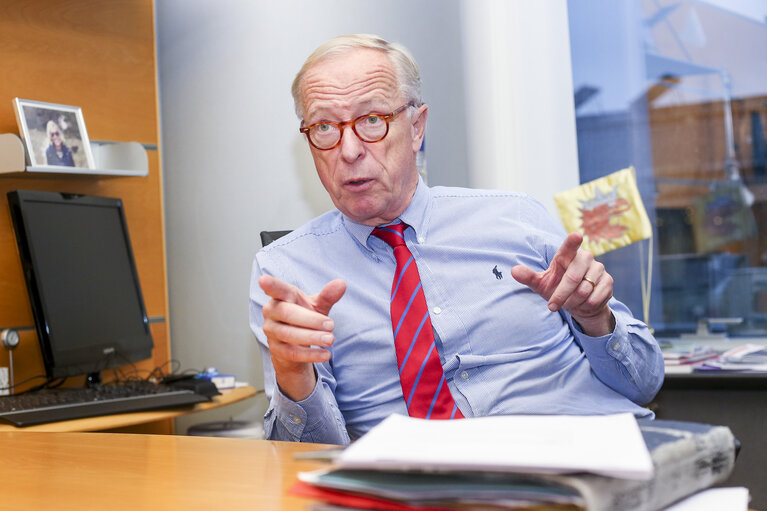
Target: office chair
column 270, row 236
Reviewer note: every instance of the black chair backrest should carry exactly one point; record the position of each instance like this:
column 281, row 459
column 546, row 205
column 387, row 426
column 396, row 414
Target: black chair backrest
column 270, row 236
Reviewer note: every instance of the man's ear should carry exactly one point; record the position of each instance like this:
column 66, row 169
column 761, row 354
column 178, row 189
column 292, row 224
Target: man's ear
column 419, row 125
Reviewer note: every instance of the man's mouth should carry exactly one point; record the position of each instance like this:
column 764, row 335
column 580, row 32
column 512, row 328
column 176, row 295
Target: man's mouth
column 357, row 182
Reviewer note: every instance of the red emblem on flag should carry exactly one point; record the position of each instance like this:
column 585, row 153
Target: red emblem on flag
column 598, row 214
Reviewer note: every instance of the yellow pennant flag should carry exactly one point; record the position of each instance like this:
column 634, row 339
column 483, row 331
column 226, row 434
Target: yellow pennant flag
column 608, row 211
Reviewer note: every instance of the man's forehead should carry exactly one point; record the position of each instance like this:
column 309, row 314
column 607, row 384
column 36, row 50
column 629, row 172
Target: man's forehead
column 356, row 76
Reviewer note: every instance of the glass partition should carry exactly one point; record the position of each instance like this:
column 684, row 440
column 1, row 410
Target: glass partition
column 678, row 89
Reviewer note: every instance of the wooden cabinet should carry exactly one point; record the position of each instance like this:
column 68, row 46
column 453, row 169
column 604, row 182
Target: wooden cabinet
column 101, row 58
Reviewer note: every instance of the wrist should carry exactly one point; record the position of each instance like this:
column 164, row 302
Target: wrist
column 296, row 383
column 598, row 325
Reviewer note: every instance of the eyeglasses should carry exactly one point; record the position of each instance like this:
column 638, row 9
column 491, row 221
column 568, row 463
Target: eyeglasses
column 369, row 128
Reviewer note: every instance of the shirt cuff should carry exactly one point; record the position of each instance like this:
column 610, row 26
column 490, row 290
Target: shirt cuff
column 311, row 419
column 293, row 415
column 613, row 346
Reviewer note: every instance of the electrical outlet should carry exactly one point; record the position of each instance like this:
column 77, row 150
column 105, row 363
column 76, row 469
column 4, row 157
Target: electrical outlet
column 4, row 391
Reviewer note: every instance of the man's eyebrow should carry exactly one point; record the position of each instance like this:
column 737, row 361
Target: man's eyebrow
column 323, row 114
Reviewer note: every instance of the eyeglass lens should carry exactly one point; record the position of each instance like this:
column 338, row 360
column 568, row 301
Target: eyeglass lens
column 369, row 128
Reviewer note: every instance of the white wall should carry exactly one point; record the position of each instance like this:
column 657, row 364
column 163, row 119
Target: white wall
column 235, row 164
column 521, row 118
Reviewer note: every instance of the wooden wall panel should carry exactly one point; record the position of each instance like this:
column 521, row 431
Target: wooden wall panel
column 100, row 57
column 97, row 55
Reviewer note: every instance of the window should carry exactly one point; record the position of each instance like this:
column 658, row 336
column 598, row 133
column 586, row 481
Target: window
column 678, row 89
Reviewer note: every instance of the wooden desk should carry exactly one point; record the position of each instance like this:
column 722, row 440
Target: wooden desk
column 118, row 471
column 124, row 420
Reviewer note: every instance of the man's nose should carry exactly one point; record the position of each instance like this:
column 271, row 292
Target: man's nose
column 351, row 146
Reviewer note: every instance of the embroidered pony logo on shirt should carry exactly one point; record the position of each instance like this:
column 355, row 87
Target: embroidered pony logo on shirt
column 497, row 272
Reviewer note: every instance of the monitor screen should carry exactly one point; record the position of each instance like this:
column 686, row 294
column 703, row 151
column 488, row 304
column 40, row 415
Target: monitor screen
column 82, row 281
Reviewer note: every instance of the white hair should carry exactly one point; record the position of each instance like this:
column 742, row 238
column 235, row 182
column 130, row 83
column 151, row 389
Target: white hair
column 405, row 67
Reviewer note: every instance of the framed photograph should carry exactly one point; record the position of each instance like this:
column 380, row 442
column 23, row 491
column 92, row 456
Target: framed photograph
column 54, row 135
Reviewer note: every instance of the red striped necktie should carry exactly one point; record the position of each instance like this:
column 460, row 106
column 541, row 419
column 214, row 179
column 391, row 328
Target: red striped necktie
column 423, row 381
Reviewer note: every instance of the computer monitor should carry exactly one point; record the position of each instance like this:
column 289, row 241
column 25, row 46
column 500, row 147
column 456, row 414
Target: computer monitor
column 82, row 281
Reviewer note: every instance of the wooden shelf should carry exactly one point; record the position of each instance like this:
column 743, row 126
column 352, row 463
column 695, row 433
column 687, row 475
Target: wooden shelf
column 122, row 420
column 111, row 159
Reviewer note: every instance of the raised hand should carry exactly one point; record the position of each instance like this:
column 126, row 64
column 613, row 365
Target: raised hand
column 576, row 282
column 298, row 329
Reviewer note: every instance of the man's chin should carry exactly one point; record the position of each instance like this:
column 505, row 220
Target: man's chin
column 364, row 215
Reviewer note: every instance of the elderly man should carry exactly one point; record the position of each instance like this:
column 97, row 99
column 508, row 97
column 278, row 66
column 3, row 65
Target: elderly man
column 434, row 302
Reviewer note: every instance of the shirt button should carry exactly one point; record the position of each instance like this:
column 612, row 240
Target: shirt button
column 437, row 310
column 374, row 256
column 421, row 239
column 464, row 375
column 615, row 346
column 297, row 420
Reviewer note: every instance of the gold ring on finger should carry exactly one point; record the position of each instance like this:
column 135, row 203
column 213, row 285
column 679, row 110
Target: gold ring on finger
column 593, row 284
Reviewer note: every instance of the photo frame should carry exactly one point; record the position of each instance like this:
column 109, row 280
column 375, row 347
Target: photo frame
column 54, row 135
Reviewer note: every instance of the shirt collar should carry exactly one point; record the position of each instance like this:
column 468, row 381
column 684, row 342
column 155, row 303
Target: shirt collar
column 415, row 215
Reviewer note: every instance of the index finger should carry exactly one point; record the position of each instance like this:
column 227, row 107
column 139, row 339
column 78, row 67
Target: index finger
column 568, row 249
column 290, row 306
column 571, row 279
column 282, row 291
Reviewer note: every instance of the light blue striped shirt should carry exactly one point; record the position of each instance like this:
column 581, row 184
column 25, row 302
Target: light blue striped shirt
column 502, row 350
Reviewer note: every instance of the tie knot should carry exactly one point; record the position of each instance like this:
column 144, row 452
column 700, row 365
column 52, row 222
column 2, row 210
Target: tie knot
column 391, row 234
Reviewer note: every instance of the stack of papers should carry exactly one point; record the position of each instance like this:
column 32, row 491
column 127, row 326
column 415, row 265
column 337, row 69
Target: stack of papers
column 543, row 444
column 681, row 354
column 683, row 358
column 749, row 357
column 442, row 490
column 506, row 462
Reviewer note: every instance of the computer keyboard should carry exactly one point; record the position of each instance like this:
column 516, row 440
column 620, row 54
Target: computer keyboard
column 52, row 405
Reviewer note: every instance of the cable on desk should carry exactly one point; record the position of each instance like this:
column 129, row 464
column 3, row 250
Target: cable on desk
column 37, row 387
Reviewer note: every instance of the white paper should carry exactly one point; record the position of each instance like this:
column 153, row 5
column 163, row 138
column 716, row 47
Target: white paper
column 744, row 353
column 609, row 445
column 680, row 369
column 714, row 499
